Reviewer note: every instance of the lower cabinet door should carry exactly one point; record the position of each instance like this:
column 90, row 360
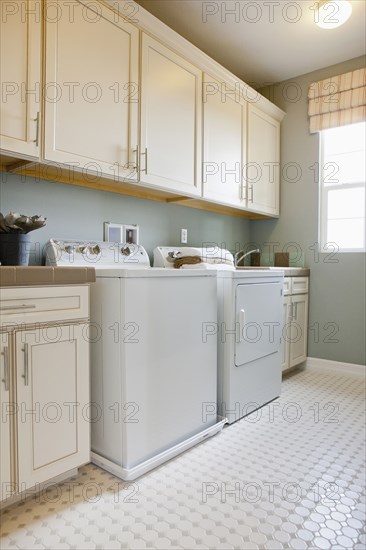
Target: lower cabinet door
column 52, row 376
column 299, row 329
column 6, row 414
column 285, row 336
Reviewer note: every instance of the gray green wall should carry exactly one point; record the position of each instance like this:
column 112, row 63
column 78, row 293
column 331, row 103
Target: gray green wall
column 337, row 284
column 75, row 212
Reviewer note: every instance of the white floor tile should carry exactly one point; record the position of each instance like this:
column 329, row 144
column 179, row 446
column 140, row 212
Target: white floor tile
column 289, row 476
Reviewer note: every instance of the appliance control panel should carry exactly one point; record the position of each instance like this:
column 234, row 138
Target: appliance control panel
column 61, row 252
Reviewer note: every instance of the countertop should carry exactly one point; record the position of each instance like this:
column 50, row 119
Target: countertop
column 45, row 275
column 289, row 271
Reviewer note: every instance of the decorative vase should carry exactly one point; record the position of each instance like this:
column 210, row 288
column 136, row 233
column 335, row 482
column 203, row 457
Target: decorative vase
column 14, row 248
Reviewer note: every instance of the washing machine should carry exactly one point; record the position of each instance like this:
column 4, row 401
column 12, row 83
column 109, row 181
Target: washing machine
column 249, row 328
column 153, row 377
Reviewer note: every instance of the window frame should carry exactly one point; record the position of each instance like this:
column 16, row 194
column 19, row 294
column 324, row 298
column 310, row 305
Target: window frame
column 324, row 244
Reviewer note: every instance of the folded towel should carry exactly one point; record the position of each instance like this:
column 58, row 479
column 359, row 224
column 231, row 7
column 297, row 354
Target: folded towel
column 187, row 260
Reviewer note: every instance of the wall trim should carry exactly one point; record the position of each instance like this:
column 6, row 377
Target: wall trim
column 336, row 366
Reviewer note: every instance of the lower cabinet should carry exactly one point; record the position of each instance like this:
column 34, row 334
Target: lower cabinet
column 5, row 408
column 295, row 322
column 52, row 383
column 44, row 385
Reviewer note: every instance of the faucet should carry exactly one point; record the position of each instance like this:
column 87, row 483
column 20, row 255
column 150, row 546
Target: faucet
column 239, row 256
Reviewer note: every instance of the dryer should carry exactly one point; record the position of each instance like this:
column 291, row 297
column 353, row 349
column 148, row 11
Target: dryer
column 249, row 330
column 153, row 379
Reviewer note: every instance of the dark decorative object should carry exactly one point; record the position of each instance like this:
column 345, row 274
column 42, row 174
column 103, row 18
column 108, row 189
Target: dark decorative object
column 255, row 259
column 14, row 238
column 282, row 259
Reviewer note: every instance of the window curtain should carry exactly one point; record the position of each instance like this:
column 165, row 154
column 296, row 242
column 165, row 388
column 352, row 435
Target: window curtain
column 337, row 101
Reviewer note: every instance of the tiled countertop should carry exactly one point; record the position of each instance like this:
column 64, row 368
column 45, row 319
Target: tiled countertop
column 289, row 271
column 45, row 275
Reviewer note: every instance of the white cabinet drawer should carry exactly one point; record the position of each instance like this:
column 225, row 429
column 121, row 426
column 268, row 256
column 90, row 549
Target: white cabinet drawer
column 299, row 285
column 287, row 286
column 24, row 305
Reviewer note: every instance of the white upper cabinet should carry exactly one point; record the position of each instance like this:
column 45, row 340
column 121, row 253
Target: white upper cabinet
column 263, row 162
column 20, row 73
column 224, row 143
column 171, row 107
column 91, row 89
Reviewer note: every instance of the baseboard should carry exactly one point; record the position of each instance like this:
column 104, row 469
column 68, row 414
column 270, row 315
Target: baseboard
column 336, row 366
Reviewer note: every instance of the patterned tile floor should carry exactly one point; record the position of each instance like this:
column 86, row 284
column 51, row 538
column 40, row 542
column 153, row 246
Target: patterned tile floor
column 290, row 476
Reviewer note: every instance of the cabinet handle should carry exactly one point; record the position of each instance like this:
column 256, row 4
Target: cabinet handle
column 5, row 353
column 251, row 198
column 137, row 151
column 295, row 308
column 291, row 315
column 242, row 191
column 26, row 371
column 23, row 306
column 145, row 169
column 36, row 120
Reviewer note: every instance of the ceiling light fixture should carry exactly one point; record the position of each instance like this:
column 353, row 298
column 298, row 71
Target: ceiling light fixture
column 331, row 14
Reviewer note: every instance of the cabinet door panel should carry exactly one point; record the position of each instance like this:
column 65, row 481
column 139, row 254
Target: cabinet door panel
column 92, row 90
column 224, row 144
column 298, row 348
column 53, row 392
column 20, row 75
column 170, row 119
column 51, row 383
column 285, row 343
column 5, row 447
column 263, row 162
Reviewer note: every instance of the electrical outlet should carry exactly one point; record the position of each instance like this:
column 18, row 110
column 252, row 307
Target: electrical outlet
column 184, row 236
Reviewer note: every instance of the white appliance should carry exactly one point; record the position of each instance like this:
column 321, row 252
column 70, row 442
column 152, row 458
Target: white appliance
column 249, row 330
column 153, row 378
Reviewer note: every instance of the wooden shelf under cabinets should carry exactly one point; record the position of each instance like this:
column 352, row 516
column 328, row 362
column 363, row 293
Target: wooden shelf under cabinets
column 56, row 173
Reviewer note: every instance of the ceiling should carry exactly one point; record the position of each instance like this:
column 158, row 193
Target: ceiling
column 263, row 41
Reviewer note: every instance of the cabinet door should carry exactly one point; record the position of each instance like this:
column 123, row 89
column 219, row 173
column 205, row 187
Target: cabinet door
column 223, row 144
column 171, row 104
column 52, row 367
column 91, row 90
column 263, row 168
column 285, row 336
column 299, row 340
column 20, row 75
column 5, row 412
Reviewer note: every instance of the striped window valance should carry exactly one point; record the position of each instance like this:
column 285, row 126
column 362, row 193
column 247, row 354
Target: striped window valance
column 337, row 101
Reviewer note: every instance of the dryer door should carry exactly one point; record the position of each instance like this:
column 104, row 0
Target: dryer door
column 259, row 321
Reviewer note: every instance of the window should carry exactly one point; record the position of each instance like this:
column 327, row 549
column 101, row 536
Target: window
column 342, row 187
